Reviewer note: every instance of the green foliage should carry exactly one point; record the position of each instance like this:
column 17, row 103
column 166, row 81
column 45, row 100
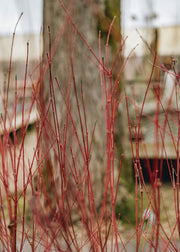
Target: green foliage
column 126, row 171
column 126, row 209
column 112, row 8
column 28, row 212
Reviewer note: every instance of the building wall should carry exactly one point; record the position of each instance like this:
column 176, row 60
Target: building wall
column 18, row 66
column 168, row 40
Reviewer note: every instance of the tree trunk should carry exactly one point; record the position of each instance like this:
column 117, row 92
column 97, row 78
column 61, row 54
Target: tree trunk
column 89, row 16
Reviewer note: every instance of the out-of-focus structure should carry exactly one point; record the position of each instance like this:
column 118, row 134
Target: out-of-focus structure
column 18, row 69
column 153, row 28
column 27, row 31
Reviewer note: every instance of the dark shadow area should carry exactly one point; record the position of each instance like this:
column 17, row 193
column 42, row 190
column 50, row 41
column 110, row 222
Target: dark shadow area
column 166, row 169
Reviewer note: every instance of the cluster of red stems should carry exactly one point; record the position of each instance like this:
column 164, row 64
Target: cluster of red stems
column 74, row 196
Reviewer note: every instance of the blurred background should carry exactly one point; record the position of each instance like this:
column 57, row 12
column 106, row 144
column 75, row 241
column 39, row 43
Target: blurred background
column 147, row 24
column 151, row 27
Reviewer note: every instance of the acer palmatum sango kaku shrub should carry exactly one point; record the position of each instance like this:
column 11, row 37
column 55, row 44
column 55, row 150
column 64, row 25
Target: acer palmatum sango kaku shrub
column 57, row 186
